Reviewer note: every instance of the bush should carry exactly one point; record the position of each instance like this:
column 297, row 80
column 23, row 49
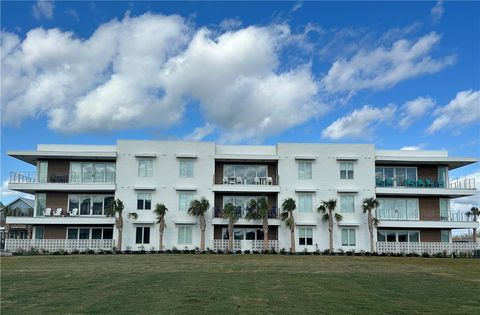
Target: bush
column 247, row 252
column 238, row 252
column 273, row 250
column 326, row 252
column 350, row 253
column 75, row 252
column 168, row 251
column 219, row 251
column 256, row 252
column 316, row 252
column 283, row 251
column 425, row 255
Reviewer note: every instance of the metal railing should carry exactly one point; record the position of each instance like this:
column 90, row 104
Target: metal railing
column 465, row 183
column 246, row 181
column 242, row 212
column 426, row 247
column 400, row 216
column 72, row 178
column 52, row 245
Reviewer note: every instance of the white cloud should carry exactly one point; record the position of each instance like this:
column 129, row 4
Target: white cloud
column 139, row 72
column 360, row 124
column 43, row 9
column 230, row 24
column 7, row 195
column 297, row 6
column 412, row 147
column 384, row 67
column 413, row 110
column 437, row 11
column 201, row 132
column 463, row 110
column 466, row 203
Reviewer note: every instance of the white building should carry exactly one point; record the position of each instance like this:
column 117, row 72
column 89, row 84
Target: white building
column 73, row 184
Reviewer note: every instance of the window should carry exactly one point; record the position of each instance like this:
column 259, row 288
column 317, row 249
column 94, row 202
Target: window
column 184, row 200
column 145, row 168
column 84, row 234
column 445, row 236
column 184, row 235
column 347, row 204
column 397, row 209
column 142, row 235
column 39, row 233
column 97, row 205
column 395, row 176
column 89, row 233
column 398, row 236
column 304, row 170
column 144, row 201
column 72, row 234
column 96, row 234
column 305, row 202
column 89, row 204
column 42, row 171
column 186, row 168
column 41, row 204
column 305, row 236
column 92, row 172
column 247, row 173
column 348, row 237
column 444, row 205
column 107, row 234
column 346, row 170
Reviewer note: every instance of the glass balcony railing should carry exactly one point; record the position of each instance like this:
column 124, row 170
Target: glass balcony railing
column 72, row 178
column 466, row 183
column 241, row 212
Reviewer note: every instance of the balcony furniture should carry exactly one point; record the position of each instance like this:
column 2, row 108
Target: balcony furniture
column 272, row 214
column 429, row 183
column 409, row 183
column 238, row 212
column 256, row 181
column 269, row 181
column 440, row 184
column 48, row 212
column 231, row 180
column 388, row 182
column 58, row 212
column 74, row 212
column 420, row 183
column 379, row 182
column 239, row 181
column 225, row 180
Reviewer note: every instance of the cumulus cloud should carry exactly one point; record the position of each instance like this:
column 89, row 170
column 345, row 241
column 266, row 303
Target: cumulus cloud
column 437, row 11
column 7, row 194
column 140, row 72
column 201, row 132
column 43, row 9
column 466, row 203
column 359, row 124
column 412, row 147
column 413, row 110
column 384, row 67
column 463, row 110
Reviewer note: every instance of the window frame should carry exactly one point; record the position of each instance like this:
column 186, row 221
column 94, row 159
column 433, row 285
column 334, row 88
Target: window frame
column 145, row 198
column 303, row 167
column 342, row 197
column 145, row 230
column 301, row 208
column 344, row 167
column 303, row 234
column 186, row 238
column 147, row 169
column 348, row 241
column 189, row 168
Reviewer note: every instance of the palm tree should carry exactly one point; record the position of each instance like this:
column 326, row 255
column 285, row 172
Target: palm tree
column 288, row 206
column 258, row 210
column 160, row 210
column 474, row 212
column 229, row 213
column 199, row 208
column 327, row 208
column 117, row 211
column 368, row 205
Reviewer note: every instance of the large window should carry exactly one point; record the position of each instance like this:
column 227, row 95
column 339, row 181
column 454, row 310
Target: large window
column 444, row 208
column 239, row 201
column 143, row 235
column 41, row 204
column 397, row 209
column 185, row 235
column 145, row 168
column 445, row 236
column 184, row 200
column 92, row 172
column 42, row 168
column 244, row 234
column 346, row 170
column 305, row 202
column 348, row 237
column 39, row 232
column 144, row 201
column 85, row 233
column 247, row 173
column 304, row 170
column 186, row 168
column 347, row 204
column 89, row 204
column 305, row 236
column 395, row 176
column 398, row 236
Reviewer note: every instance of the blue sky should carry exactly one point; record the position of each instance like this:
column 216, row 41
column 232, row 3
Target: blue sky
column 394, row 74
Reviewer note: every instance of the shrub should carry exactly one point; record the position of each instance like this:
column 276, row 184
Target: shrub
column 219, row 251
column 247, row 252
column 425, row 255
column 283, row 251
column 326, row 252
column 168, row 251
column 256, row 252
column 350, row 253
column 75, row 252
column 316, row 252
column 238, row 252
column 273, row 250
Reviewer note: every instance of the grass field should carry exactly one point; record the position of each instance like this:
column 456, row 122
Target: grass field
column 251, row 284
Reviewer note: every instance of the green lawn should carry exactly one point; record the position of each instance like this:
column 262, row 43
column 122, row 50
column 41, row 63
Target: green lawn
column 251, row 284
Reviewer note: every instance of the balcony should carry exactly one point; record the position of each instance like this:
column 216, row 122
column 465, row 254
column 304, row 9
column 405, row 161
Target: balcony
column 425, row 187
column 29, row 182
column 245, row 184
column 242, row 212
column 426, row 247
column 455, row 220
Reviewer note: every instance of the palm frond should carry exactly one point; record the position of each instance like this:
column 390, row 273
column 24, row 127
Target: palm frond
column 325, row 217
column 338, row 217
column 198, row 207
column 257, row 209
column 369, row 204
column 117, row 207
column 375, row 221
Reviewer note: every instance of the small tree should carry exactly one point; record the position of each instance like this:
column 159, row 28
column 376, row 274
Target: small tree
column 288, row 206
column 368, row 205
column 199, row 208
column 474, row 213
column 117, row 211
column 258, row 210
column 327, row 209
column 160, row 210
column 229, row 213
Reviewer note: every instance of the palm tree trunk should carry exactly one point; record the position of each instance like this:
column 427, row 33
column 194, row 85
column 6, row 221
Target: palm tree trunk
column 265, row 234
column 292, row 239
column 120, row 232
column 330, row 230
column 230, row 236
column 370, row 230
column 474, row 235
column 203, row 225
column 161, row 229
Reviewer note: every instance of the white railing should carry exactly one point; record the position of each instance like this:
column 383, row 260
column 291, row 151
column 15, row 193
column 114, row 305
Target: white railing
column 460, row 217
column 71, row 178
column 237, row 245
column 464, row 183
column 428, row 247
column 12, row 245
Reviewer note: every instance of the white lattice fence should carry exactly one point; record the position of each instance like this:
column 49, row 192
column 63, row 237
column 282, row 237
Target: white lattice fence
column 256, row 245
column 425, row 247
column 13, row 245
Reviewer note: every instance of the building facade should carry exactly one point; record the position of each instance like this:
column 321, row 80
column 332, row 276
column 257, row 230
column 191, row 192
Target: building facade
column 74, row 184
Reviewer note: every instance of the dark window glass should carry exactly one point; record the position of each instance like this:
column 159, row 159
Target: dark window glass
column 403, row 237
column 107, row 234
column 138, row 238
column 148, row 204
column 72, row 234
column 391, row 237
column 302, row 241
column 96, row 234
column 84, row 234
column 309, row 241
column 146, row 235
column 108, row 202
column 140, row 204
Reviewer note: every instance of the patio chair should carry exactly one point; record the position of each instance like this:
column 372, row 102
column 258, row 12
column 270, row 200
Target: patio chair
column 428, row 182
column 409, row 183
column 440, row 184
column 74, row 212
column 58, row 212
column 379, row 182
column 48, row 212
column 231, row 181
column 389, row 182
column 256, row 181
column 239, row 180
column 420, row 183
column 225, row 180
column 269, row 181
